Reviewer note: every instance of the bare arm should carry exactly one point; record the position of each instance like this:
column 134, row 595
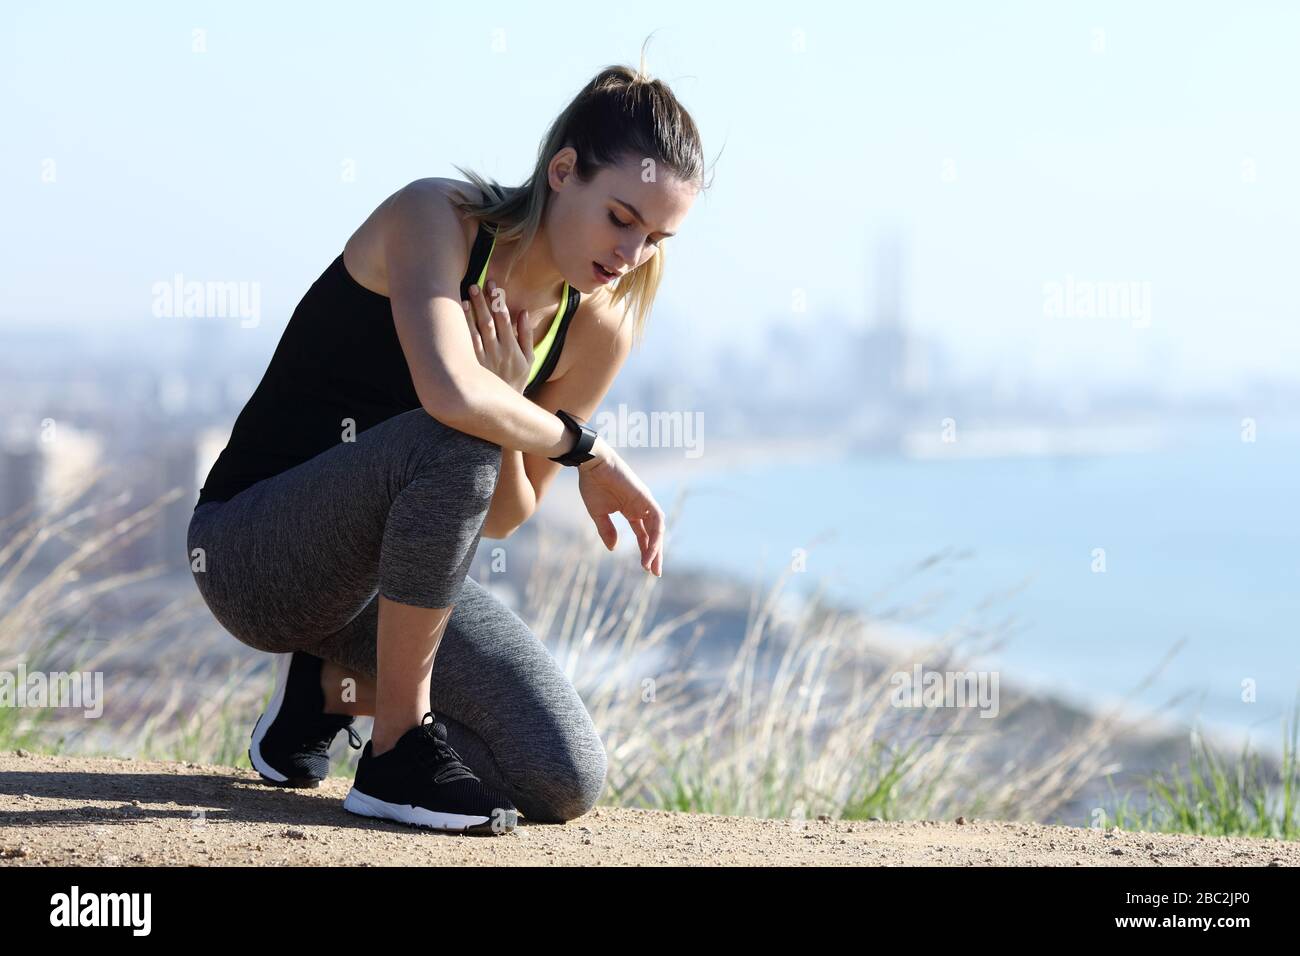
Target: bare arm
column 425, row 259
column 601, row 347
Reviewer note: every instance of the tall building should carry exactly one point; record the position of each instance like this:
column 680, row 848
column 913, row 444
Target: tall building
column 885, row 341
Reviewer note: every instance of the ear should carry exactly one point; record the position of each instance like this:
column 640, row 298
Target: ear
column 560, row 169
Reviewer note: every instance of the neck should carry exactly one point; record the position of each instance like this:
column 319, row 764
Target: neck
column 535, row 282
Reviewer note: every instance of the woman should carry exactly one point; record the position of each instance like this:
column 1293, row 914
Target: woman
column 408, row 410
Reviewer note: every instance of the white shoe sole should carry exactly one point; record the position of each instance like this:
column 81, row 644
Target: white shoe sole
column 502, row 821
column 267, row 718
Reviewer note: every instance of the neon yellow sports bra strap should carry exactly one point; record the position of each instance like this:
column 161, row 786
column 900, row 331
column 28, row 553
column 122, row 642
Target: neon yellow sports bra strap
column 482, row 276
column 544, row 347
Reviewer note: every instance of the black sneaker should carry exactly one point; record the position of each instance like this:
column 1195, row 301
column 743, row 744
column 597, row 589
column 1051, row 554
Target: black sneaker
column 422, row 781
column 290, row 744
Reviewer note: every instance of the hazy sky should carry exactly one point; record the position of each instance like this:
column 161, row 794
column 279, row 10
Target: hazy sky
column 1011, row 145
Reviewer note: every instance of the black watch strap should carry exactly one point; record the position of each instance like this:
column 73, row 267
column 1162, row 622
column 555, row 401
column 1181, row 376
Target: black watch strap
column 581, row 450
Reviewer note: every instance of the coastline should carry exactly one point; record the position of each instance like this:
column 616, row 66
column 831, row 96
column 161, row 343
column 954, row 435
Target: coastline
column 563, row 505
column 1150, row 740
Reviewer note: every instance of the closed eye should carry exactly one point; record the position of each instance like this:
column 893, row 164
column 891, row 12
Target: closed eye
column 626, row 225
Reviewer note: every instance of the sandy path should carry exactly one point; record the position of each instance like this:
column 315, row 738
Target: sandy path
column 104, row 811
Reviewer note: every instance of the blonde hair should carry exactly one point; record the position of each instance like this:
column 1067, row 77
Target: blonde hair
column 620, row 113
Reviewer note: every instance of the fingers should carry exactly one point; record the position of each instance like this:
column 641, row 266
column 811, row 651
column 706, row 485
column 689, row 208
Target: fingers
column 500, row 313
column 616, row 491
column 608, row 533
column 649, row 536
column 654, row 526
column 482, row 315
column 494, row 323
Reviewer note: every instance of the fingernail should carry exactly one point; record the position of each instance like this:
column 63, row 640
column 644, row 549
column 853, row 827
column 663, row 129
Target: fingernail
column 473, row 290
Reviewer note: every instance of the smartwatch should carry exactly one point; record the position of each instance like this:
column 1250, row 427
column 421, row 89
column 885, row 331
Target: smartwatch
column 581, row 450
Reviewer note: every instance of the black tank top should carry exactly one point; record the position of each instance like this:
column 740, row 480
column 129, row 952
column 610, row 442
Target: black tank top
column 339, row 357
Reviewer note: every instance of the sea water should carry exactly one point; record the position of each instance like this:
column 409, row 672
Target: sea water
column 1099, row 565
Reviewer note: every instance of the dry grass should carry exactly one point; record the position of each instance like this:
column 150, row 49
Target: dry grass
column 799, row 722
column 802, row 721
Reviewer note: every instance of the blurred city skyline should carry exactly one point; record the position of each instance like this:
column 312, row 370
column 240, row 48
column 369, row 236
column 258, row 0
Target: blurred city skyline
column 1004, row 152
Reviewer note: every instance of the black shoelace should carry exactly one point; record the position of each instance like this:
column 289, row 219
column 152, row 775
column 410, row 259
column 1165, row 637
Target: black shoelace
column 435, row 754
column 319, row 743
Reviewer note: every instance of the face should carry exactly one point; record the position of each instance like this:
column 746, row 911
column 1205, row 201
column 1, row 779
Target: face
column 617, row 220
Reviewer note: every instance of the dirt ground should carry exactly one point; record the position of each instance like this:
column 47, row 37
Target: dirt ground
column 104, row 811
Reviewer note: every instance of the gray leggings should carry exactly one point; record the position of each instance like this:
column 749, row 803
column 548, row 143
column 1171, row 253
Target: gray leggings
column 296, row 563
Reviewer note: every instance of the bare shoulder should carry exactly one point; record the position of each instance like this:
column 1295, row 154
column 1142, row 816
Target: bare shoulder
column 451, row 192
column 455, row 189
column 418, row 222
column 600, row 338
column 443, row 186
column 611, row 323
column 435, row 197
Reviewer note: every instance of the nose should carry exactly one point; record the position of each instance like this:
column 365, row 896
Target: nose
column 626, row 255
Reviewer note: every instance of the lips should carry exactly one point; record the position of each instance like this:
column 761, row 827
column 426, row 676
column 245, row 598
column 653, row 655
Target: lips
column 606, row 275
